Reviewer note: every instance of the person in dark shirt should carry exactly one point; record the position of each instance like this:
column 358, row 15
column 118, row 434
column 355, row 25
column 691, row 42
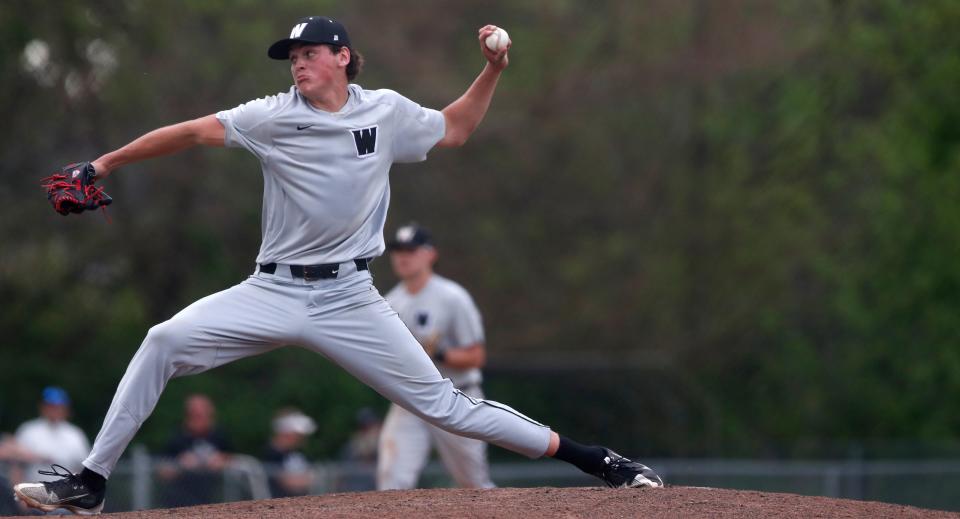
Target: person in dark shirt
column 359, row 454
column 289, row 470
column 195, row 456
column 7, row 505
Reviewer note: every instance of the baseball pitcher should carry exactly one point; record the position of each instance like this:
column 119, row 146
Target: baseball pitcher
column 325, row 148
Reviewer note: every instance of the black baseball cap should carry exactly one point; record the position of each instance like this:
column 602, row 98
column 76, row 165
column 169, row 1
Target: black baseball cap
column 312, row 29
column 409, row 237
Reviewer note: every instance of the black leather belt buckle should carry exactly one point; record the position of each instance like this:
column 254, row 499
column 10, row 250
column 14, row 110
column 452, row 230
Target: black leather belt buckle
column 315, row 272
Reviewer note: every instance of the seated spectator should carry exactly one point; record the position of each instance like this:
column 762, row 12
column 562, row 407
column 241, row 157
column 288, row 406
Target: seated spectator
column 363, row 442
column 13, row 457
column 7, row 505
column 288, row 468
column 50, row 438
column 195, row 456
column 360, row 453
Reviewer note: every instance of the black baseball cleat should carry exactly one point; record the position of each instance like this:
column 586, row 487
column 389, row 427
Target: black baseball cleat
column 69, row 492
column 620, row 472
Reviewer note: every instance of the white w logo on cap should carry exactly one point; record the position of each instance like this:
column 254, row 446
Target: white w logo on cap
column 297, row 30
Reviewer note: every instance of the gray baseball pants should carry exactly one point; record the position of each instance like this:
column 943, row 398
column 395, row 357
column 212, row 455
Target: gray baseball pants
column 344, row 319
column 405, row 444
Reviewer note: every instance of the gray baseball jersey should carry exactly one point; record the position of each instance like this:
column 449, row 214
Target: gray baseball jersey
column 442, row 312
column 325, row 175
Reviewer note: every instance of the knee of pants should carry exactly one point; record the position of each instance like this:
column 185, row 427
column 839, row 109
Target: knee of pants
column 173, row 342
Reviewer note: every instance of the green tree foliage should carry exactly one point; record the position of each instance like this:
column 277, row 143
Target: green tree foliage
column 694, row 227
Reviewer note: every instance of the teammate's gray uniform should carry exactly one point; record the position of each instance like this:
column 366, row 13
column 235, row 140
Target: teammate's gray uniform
column 442, row 314
column 325, row 200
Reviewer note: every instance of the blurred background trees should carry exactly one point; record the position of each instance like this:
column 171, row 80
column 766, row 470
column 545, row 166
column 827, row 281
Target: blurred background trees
column 694, row 227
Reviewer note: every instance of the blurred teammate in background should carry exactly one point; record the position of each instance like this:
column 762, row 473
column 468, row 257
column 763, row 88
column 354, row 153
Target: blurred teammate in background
column 442, row 316
column 289, row 470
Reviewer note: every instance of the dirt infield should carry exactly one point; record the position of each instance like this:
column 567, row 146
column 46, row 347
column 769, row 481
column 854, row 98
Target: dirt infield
column 535, row 503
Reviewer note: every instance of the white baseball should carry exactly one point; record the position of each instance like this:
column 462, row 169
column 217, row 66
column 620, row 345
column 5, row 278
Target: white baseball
column 498, row 40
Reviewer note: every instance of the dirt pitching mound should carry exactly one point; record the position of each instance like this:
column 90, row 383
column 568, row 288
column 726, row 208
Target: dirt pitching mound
column 534, row 503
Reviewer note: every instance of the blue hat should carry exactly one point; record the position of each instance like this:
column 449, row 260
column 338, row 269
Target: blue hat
column 55, row 396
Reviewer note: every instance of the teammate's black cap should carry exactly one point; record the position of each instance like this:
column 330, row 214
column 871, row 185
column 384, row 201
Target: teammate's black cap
column 312, row 29
column 409, row 237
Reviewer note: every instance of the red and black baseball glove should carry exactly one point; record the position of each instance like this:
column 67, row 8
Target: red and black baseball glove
column 72, row 190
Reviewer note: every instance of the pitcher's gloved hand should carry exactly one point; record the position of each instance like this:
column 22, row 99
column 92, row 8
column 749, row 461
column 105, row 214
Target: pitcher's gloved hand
column 72, row 190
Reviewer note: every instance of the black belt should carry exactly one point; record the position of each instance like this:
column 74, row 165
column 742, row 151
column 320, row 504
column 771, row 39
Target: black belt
column 313, row 272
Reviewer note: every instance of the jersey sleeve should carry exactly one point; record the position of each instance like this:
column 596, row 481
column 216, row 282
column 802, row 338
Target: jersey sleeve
column 466, row 325
column 249, row 125
column 417, row 130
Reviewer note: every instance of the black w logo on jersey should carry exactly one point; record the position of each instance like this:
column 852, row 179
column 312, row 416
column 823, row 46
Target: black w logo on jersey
column 366, row 141
column 422, row 318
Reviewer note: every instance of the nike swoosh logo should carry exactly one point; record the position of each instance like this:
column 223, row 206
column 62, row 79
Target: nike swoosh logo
column 71, row 498
column 303, row 127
